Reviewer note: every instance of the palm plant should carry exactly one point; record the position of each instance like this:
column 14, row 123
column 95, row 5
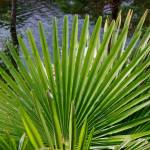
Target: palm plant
column 82, row 99
column 12, row 143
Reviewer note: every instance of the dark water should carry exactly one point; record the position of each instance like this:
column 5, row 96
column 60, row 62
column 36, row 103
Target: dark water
column 31, row 11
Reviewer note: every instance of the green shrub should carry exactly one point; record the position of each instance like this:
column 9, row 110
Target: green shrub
column 91, row 99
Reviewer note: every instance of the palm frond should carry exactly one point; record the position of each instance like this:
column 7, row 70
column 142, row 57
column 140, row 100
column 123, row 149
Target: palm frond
column 95, row 95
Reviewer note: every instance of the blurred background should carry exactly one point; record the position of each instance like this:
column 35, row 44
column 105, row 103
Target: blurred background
column 18, row 15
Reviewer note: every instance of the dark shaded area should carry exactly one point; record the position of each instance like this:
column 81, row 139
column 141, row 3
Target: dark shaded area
column 30, row 12
column 13, row 22
column 115, row 8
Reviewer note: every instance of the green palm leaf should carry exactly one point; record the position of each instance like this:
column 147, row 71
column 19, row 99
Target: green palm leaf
column 94, row 94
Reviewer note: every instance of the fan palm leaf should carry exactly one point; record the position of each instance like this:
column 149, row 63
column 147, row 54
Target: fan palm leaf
column 94, row 93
